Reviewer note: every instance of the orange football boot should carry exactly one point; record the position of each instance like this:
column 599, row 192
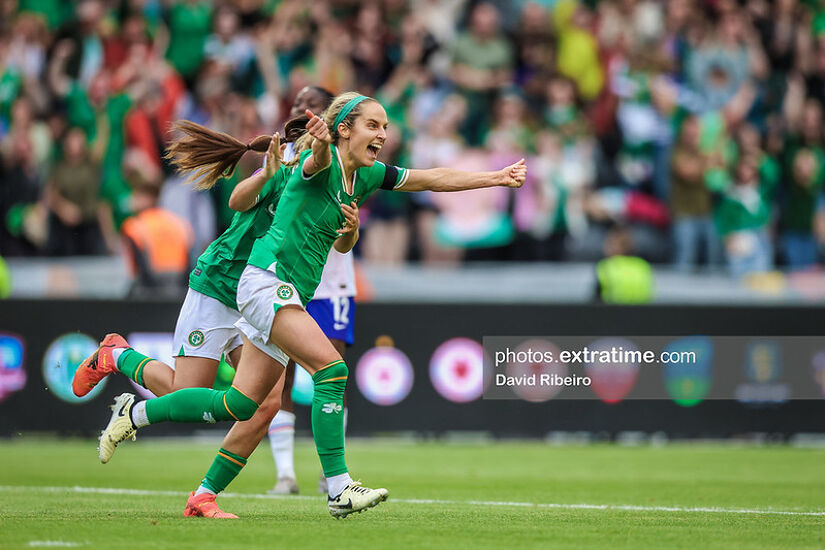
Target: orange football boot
column 98, row 365
column 204, row 506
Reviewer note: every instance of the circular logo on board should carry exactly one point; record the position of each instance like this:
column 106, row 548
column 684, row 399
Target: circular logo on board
column 303, row 388
column 457, row 370
column 284, row 292
column 384, row 375
column 60, row 362
column 537, row 393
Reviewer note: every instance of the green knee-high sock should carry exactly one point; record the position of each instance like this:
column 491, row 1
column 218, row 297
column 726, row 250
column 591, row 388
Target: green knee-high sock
column 131, row 363
column 200, row 405
column 328, row 417
column 226, row 467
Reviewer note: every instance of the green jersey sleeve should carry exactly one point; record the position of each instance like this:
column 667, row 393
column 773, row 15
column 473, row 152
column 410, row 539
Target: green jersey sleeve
column 317, row 176
column 274, row 185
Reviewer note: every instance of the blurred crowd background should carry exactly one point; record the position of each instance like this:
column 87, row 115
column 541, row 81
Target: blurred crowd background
column 684, row 132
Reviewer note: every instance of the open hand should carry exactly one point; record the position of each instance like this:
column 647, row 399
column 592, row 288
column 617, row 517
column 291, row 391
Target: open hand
column 273, row 156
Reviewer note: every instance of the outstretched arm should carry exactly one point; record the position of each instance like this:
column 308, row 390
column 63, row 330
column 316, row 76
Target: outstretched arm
column 448, row 179
column 245, row 194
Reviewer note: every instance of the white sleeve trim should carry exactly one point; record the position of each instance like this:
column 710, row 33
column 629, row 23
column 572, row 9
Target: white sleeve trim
column 304, row 176
column 403, row 179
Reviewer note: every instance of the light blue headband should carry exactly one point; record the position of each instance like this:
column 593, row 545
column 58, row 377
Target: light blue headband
column 347, row 109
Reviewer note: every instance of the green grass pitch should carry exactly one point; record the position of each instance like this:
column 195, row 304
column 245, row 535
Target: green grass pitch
column 504, row 495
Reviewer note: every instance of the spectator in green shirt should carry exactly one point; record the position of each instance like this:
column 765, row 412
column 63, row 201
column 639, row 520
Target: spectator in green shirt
column 189, row 23
column 742, row 219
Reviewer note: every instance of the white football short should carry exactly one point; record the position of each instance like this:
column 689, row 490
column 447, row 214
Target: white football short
column 205, row 328
column 260, row 294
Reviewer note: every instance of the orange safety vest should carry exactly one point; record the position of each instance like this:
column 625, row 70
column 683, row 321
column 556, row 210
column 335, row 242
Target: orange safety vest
column 163, row 238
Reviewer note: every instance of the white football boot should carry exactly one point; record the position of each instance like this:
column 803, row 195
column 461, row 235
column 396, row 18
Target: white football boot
column 119, row 428
column 355, row 498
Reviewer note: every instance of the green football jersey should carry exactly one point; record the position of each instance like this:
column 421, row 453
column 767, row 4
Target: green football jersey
column 308, row 218
column 220, row 266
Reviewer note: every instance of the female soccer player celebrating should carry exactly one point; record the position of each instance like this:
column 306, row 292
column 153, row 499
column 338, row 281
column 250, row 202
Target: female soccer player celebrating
column 284, row 269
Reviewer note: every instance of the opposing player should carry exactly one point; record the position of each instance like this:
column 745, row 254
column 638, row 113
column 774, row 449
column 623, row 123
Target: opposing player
column 283, row 272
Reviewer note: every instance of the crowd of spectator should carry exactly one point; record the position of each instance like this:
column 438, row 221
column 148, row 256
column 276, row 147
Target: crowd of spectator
column 695, row 125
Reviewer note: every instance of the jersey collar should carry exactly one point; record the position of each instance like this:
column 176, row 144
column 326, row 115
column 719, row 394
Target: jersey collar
column 344, row 174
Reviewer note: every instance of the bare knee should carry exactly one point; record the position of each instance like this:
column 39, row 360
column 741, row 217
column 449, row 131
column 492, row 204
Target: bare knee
column 264, row 413
column 269, row 408
column 194, row 372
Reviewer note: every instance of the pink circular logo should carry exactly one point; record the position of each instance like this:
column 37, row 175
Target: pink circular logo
column 384, row 375
column 457, row 370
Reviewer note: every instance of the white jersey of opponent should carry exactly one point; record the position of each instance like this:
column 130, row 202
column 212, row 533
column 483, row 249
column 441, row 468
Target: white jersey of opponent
column 338, row 278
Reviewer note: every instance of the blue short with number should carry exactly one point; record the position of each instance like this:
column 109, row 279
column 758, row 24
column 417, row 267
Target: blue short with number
column 335, row 316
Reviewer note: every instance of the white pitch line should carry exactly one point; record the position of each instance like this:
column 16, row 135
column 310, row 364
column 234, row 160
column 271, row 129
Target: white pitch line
column 559, row 506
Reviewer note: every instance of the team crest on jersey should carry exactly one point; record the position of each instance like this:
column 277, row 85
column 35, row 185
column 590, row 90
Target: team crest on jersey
column 196, row 338
column 284, row 292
